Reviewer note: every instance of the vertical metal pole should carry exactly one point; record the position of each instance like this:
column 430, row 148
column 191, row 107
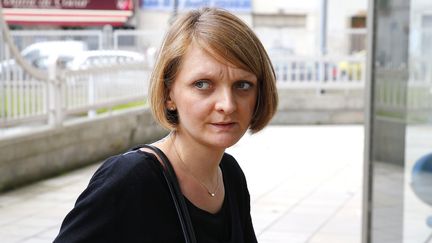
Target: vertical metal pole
column 174, row 12
column 323, row 27
column 322, row 44
column 369, row 94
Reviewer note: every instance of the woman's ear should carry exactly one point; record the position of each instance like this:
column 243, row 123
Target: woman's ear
column 170, row 104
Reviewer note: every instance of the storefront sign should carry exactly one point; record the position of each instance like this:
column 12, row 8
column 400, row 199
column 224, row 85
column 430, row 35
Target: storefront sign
column 67, row 12
column 69, row 4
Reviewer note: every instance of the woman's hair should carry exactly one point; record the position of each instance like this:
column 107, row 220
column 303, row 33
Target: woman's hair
column 226, row 38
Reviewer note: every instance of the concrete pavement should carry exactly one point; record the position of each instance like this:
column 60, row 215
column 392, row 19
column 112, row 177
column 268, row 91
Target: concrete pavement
column 305, row 184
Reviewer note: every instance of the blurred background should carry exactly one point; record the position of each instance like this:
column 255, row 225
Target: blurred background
column 355, row 86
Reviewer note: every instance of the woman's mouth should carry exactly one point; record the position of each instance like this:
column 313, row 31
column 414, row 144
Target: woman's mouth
column 224, row 125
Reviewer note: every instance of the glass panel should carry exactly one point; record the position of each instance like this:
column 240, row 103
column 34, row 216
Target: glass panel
column 390, row 79
column 418, row 148
column 401, row 130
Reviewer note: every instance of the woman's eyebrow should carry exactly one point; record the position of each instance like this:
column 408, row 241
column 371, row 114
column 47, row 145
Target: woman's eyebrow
column 247, row 77
column 202, row 73
column 211, row 74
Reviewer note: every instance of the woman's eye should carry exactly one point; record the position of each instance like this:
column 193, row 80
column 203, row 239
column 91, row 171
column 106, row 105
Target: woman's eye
column 202, row 84
column 244, row 85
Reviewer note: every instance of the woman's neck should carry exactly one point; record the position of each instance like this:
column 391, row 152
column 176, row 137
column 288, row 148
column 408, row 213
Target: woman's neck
column 197, row 157
column 200, row 159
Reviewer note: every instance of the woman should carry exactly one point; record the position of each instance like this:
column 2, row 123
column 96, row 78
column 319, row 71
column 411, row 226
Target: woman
column 212, row 82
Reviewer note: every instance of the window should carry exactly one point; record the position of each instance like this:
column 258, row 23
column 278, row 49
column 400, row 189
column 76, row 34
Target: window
column 358, row 41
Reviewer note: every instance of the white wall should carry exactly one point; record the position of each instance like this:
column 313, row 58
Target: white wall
column 153, row 20
column 156, row 23
column 301, row 41
column 338, row 22
column 340, row 12
column 286, row 6
column 304, row 42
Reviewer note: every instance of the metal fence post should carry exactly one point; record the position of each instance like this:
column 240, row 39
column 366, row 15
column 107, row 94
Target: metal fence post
column 55, row 104
column 91, row 96
column 322, row 73
column 107, row 36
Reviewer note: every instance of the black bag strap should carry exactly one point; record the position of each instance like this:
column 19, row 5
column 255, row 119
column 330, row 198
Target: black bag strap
column 177, row 196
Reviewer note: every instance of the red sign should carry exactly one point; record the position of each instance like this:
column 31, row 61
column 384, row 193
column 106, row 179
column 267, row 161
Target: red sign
column 67, row 12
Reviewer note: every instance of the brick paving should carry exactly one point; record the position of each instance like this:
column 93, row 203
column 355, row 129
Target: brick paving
column 305, row 184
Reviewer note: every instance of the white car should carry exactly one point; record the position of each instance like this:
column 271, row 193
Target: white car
column 38, row 54
column 100, row 58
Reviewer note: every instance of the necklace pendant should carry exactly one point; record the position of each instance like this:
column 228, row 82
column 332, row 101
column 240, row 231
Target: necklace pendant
column 212, row 194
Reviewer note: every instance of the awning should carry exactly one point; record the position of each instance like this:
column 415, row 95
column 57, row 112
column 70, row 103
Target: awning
column 62, row 13
column 65, row 17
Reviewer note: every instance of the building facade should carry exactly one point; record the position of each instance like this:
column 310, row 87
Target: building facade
column 286, row 25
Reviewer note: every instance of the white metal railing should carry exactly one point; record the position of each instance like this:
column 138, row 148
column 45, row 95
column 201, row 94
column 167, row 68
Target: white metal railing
column 411, row 101
column 21, row 93
column 23, row 100
column 320, row 72
column 400, row 98
column 71, row 93
column 32, row 96
column 85, row 91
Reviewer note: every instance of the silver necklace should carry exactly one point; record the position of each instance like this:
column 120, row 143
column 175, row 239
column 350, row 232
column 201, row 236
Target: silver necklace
column 212, row 194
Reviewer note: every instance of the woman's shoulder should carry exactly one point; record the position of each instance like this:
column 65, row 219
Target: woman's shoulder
column 231, row 167
column 230, row 162
column 130, row 167
column 235, row 179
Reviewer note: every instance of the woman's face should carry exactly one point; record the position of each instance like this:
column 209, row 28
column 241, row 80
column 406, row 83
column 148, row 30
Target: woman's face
column 215, row 101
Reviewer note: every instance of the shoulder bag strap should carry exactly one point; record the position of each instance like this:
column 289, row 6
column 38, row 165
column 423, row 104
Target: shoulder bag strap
column 177, row 196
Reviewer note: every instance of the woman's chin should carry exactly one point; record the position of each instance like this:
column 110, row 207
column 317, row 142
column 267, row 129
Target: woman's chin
column 224, row 143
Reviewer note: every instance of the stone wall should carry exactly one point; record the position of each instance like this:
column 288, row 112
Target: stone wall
column 311, row 107
column 49, row 152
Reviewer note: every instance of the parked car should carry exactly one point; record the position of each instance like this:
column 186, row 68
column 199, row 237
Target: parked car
column 98, row 58
column 37, row 54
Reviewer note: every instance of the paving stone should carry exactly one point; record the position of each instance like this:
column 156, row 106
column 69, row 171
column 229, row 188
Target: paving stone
column 297, row 196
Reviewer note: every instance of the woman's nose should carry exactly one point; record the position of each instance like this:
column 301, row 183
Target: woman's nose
column 226, row 102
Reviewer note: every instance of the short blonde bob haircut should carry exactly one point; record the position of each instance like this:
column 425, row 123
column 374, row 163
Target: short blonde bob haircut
column 226, row 38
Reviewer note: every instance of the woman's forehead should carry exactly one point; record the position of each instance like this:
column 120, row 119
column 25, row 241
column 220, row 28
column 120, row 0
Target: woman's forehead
column 200, row 61
column 220, row 54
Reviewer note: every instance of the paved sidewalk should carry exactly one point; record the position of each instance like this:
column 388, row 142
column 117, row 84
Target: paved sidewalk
column 305, row 184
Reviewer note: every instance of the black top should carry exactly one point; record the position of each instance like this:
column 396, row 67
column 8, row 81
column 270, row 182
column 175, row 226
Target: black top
column 128, row 200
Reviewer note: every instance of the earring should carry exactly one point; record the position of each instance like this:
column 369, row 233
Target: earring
column 172, row 108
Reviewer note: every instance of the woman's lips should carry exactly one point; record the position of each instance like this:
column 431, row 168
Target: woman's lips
column 224, row 125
